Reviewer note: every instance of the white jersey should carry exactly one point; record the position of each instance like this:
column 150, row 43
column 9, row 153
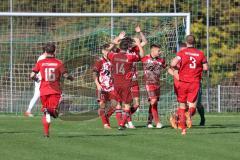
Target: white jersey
column 37, row 84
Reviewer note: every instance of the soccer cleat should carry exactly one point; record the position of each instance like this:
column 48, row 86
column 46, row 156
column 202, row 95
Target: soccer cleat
column 126, row 125
column 184, row 132
column 106, row 126
column 28, row 114
column 46, row 136
column 173, row 122
column 131, row 127
column 159, row 125
column 150, row 126
column 188, row 120
column 120, row 128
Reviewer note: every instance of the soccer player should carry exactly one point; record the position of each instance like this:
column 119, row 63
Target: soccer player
column 135, row 87
column 51, row 69
column 192, row 63
column 152, row 65
column 36, row 94
column 122, row 64
column 104, row 82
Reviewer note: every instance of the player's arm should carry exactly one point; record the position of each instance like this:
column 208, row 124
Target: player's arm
column 173, row 72
column 68, row 76
column 116, row 40
column 174, row 62
column 144, row 40
column 205, row 66
column 138, row 43
column 35, row 70
column 95, row 78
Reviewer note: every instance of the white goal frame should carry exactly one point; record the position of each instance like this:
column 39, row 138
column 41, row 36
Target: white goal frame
column 111, row 15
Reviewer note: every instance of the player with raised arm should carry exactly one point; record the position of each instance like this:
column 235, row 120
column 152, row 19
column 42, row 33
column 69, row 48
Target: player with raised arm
column 122, row 63
column 104, row 83
column 51, row 70
column 152, row 65
column 135, row 86
column 192, row 62
column 36, row 94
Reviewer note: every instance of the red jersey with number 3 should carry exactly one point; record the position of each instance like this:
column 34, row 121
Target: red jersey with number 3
column 191, row 64
column 51, row 70
column 122, row 64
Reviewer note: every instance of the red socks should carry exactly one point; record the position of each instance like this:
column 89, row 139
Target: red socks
column 125, row 116
column 101, row 113
column 154, row 110
column 119, row 116
column 182, row 118
column 45, row 125
column 192, row 111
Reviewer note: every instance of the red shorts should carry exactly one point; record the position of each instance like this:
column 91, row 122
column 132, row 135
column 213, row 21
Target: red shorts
column 187, row 92
column 135, row 89
column 153, row 91
column 104, row 96
column 123, row 94
column 50, row 101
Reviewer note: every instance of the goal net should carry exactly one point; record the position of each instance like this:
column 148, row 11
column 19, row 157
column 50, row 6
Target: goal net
column 78, row 38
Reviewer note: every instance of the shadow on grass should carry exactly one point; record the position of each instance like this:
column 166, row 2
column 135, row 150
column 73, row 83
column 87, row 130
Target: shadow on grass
column 15, row 132
column 96, row 135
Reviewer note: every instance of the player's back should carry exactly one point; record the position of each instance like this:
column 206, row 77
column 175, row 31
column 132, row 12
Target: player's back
column 122, row 64
column 191, row 65
column 51, row 70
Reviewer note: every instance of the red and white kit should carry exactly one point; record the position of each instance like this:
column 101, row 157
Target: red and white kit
column 103, row 69
column 152, row 70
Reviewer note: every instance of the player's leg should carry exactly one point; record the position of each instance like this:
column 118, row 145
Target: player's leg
column 200, row 107
column 33, row 101
column 192, row 94
column 46, row 116
column 153, row 94
column 182, row 99
column 102, row 98
column 126, row 99
column 50, row 109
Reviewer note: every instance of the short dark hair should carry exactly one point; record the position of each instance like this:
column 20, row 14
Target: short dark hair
column 155, row 46
column 190, row 39
column 125, row 44
column 182, row 45
column 49, row 48
column 105, row 46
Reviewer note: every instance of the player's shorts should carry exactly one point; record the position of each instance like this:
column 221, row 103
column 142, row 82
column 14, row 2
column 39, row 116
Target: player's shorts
column 135, row 89
column 176, row 84
column 153, row 91
column 104, row 96
column 123, row 94
column 50, row 101
column 187, row 92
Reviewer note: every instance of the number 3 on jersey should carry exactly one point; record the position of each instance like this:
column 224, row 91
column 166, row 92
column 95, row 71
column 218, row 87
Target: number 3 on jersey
column 193, row 64
column 120, row 68
column 50, row 74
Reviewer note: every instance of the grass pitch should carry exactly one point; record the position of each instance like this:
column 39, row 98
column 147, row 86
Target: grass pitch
column 21, row 139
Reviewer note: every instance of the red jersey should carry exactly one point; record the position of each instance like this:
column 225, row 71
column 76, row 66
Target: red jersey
column 122, row 64
column 191, row 64
column 103, row 68
column 152, row 69
column 51, row 70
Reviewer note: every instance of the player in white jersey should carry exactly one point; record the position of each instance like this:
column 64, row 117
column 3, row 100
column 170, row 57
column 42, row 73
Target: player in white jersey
column 36, row 95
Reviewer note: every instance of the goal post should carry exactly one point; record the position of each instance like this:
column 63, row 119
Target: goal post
column 78, row 37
